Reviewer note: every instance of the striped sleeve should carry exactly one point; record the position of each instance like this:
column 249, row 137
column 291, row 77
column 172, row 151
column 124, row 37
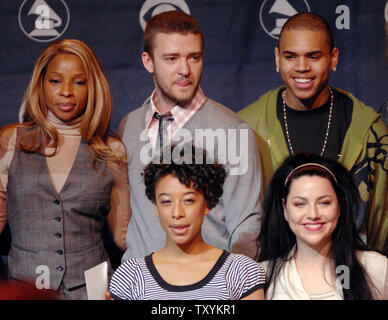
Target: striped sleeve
column 244, row 277
column 127, row 282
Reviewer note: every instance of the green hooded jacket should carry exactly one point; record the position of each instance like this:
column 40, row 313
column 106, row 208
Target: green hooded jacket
column 364, row 152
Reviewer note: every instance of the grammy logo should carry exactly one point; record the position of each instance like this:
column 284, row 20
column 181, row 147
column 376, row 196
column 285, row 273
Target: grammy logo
column 45, row 22
column 47, row 19
column 151, row 8
column 282, row 7
column 274, row 14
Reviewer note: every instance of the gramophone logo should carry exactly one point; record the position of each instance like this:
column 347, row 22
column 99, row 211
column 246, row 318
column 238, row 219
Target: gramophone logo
column 151, row 8
column 42, row 20
column 274, row 14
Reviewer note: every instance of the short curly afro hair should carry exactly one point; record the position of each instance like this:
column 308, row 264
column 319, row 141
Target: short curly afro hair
column 207, row 178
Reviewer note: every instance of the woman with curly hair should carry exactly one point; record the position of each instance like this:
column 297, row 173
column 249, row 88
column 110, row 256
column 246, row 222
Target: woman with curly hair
column 63, row 173
column 309, row 243
column 186, row 267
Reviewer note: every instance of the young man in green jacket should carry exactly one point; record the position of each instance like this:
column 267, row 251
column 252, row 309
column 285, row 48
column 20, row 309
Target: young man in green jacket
column 306, row 115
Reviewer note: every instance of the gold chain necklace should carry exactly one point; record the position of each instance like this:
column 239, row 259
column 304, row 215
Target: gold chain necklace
column 328, row 122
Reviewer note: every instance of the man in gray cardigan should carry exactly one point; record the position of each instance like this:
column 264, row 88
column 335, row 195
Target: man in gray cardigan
column 178, row 112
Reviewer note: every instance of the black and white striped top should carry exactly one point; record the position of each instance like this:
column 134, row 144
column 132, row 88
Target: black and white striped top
column 233, row 277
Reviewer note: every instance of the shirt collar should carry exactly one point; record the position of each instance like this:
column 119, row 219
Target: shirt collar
column 194, row 105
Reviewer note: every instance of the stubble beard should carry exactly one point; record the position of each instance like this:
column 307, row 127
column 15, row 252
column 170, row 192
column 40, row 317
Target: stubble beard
column 168, row 94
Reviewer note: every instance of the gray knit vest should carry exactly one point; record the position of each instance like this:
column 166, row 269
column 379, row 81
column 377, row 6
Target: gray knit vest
column 59, row 233
column 145, row 234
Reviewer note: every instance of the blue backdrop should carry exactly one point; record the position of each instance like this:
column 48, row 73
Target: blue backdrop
column 240, row 36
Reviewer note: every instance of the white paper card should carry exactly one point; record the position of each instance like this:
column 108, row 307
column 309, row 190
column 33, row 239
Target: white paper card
column 97, row 281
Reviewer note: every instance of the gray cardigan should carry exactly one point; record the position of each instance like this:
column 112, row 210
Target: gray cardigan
column 235, row 222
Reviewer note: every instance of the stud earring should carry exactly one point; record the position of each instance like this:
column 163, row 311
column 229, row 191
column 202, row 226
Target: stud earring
column 334, row 69
column 277, row 69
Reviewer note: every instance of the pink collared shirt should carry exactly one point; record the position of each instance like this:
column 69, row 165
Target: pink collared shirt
column 181, row 116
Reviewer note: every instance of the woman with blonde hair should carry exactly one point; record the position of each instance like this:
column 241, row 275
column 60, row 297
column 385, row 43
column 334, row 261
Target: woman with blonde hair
column 63, row 173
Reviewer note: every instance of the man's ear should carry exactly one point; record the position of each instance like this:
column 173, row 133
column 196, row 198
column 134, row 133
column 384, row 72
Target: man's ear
column 156, row 211
column 334, row 59
column 147, row 62
column 207, row 210
column 277, row 58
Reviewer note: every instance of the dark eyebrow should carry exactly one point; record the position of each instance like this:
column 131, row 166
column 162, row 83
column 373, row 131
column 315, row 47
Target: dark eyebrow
column 288, row 52
column 319, row 198
column 200, row 53
column 173, row 54
column 319, row 52
column 191, row 192
column 75, row 75
column 186, row 193
column 163, row 194
column 170, row 54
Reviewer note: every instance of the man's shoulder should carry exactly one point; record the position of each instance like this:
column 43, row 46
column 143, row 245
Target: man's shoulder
column 364, row 116
column 214, row 115
column 261, row 105
column 137, row 113
column 219, row 112
column 135, row 117
column 359, row 105
column 133, row 122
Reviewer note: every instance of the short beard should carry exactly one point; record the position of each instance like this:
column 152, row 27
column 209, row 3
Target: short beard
column 175, row 99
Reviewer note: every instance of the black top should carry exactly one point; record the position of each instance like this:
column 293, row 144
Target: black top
column 307, row 129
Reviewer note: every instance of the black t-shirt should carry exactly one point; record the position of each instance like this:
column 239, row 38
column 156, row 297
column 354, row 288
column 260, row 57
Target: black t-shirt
column 307, row 129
